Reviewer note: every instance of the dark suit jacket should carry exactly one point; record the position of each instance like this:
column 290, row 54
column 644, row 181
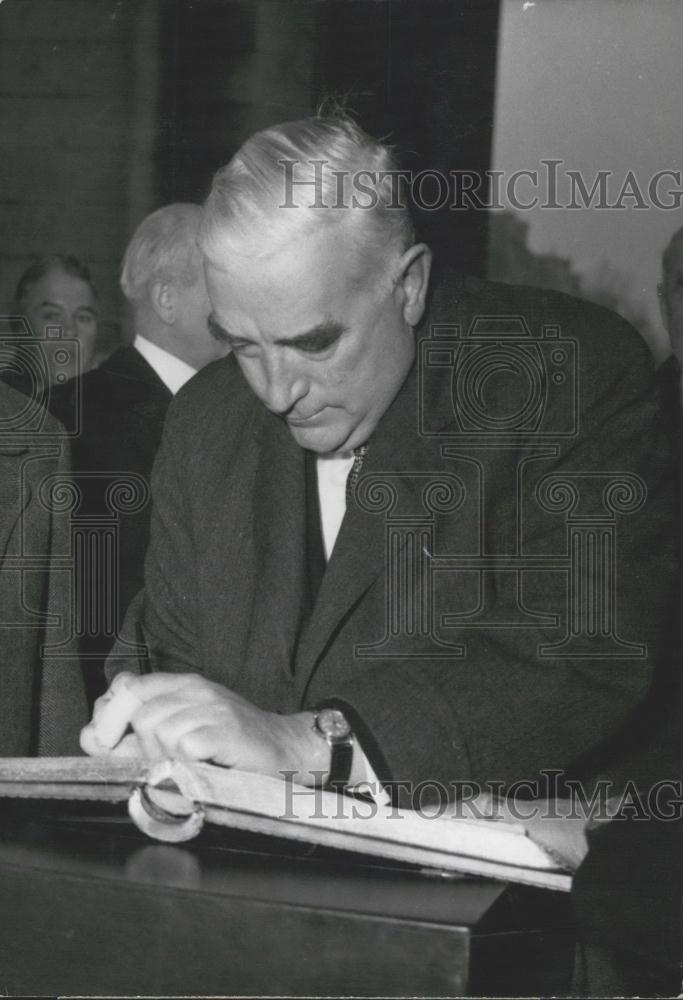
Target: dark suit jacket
column 226, row 565
column 42, row 697
column 627, row 892
column 122, row 406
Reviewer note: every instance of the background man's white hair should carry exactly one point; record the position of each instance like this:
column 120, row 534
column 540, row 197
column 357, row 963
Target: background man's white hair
column 163, row 248
column 290, row 178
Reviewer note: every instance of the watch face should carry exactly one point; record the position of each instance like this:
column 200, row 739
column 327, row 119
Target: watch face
column 332, row 724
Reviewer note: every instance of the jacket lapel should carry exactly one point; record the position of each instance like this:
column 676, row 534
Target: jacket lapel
column 399, row 456
column 128, row 363
column 280, row 551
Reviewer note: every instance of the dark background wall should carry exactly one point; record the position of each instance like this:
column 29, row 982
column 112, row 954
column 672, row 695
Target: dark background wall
column 70, row 169
column 111, row 108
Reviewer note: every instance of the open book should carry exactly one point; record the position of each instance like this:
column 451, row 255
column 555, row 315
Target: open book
column 171, row 800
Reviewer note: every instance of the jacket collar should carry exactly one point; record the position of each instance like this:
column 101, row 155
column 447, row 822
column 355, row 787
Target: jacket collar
column 128, row 363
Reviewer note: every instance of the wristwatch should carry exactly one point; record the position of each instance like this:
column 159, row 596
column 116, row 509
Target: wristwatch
column 333, row 727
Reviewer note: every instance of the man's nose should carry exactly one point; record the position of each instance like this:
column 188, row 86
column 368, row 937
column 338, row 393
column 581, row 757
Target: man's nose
column 68, row 325
column 285, row 384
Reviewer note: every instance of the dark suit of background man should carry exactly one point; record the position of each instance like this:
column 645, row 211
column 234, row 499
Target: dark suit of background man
column 266, row 590
column 41, row 688
column 670, row 294
column 124, row 401
column 627, row 893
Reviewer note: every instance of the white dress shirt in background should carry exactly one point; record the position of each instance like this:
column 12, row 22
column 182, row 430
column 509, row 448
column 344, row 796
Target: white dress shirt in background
column 173, row 372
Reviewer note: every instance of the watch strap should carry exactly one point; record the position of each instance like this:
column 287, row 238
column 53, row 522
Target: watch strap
column 341, row 760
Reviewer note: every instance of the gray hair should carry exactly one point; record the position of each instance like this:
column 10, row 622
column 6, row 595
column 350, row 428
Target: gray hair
column 46, row 265
column 163, row 248
column 290, row 178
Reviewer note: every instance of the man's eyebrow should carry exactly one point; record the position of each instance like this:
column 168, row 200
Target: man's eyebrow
column 56, row 305
column 328, row 328
column 218, row 331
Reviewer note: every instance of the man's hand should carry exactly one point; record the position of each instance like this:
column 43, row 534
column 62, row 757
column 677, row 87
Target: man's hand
column 189, row 718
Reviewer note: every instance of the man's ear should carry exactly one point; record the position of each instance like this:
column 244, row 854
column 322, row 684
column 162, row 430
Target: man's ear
column 163, row 301
column 413, row 270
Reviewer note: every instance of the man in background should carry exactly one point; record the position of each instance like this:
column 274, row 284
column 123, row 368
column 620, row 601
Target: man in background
column 57, row 297
column 670, row 295
column 41, row 687
column 123, row 403
column 626, row 894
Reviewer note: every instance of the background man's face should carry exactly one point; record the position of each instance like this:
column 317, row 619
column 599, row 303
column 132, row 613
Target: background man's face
column 200, row 347
column 63, row 300
column 322, row 345
column 671, row 299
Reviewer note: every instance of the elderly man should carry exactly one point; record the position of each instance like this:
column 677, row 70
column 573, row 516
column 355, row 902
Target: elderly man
column 55, row 293
column 360, row 567
column 123, row 403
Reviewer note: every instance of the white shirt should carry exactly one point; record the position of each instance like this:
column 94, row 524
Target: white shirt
column 173, row 372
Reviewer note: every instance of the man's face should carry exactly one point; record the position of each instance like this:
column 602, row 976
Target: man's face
column 199, row 346
column 671, row 299
column 321, row 345
column 63, row 300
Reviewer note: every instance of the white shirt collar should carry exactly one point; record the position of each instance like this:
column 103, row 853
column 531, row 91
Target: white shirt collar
column 173, row 372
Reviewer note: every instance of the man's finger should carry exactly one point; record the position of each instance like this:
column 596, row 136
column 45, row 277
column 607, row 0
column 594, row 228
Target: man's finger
column 205, row 743
column 128, row 747
column 121, row 681
column 193, row 735
column 127, row 692
column 112, row 716
column 90, row 742
column 153, row 718
column 159, row 684
column 105, row 698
